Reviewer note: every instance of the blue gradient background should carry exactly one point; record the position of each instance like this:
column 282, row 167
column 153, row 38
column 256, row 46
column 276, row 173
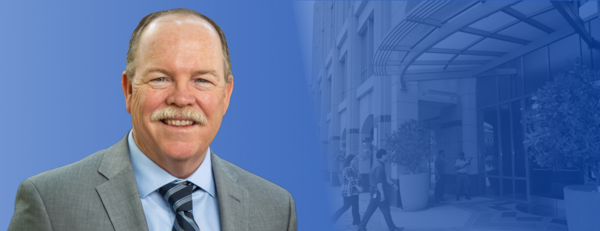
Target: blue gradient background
column 61, row 65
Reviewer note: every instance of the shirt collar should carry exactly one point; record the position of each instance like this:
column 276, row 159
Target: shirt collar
column 150, row 177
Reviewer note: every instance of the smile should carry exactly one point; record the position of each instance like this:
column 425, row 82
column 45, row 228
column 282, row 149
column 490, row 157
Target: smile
column 178, row 122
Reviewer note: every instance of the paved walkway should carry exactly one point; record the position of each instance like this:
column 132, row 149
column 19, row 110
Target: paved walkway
column 480, row 213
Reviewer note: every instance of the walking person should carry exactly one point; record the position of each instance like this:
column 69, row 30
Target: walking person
column 351, row 188
column 379, row 198
column 440, row 178
column 462, row 179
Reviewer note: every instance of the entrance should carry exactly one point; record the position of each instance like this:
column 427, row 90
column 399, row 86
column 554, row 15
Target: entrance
column 504, row 158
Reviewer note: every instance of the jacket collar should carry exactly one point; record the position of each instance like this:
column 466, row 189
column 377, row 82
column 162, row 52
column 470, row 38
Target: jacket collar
column 121, row 198
column 232, row 196
column 119, row 194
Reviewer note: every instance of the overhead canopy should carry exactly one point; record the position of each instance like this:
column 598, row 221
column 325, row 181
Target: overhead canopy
column 458, row 39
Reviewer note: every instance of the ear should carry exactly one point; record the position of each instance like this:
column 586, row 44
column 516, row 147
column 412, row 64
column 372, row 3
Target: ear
column 228, row 91
column 127, row 90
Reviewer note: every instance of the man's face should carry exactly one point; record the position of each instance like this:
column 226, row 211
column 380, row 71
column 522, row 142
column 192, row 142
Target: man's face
column 179, row 65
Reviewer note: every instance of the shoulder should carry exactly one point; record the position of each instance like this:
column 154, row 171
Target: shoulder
column 267, row 204
column 257, row 187
column 52, row 195
column 79, row 174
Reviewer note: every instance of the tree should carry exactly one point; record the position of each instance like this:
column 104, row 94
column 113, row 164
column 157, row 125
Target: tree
column 563, row 125
column 410, row 144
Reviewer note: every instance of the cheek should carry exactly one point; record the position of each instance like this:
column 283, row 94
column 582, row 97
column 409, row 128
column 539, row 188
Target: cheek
column 144, row 102
column 209, row 104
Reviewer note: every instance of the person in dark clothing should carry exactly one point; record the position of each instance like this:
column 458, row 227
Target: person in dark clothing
column 378, row 183
column 440, row 178
column 350, row 190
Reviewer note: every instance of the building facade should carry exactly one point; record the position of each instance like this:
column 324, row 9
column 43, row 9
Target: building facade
column 466, row 68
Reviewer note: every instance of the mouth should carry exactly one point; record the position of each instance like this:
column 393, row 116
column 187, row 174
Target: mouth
column 178, row 123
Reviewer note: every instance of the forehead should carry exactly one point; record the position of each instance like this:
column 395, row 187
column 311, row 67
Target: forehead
column 180, row 34
column 184, row 24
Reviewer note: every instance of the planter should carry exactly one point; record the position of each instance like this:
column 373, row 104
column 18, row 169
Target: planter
column 414, row 191
column 582, row 206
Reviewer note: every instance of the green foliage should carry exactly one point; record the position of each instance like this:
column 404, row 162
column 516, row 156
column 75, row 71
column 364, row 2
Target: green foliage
column 411, row 144
column 563, row 125
column 339, row 155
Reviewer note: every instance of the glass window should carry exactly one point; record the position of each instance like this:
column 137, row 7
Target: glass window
column 505, row 140
column 507, row 188
column 343, row 78
column 329, row 94
column 503, row 87
column 516, row 81
column 518, row 137
column 490, row 141
column 520, row 190
column 486, row 90
column 366, row 52
column 595, row 31
column 493, row 186
column 535, row 69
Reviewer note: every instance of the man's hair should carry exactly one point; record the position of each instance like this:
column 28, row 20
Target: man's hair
column 380, row 153
column 141, row 27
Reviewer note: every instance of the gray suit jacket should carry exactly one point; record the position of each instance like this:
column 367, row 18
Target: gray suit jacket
column 99, row 192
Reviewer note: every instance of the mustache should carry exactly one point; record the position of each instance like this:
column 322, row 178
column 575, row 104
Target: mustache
column 181, row 113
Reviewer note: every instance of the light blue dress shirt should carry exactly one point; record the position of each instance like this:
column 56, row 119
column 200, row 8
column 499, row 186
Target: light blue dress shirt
column 150, row 177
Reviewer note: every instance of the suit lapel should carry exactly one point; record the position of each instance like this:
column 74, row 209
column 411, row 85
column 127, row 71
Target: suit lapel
column 120, row 195
column 233, row 198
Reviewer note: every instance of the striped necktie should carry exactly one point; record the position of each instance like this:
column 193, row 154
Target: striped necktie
column 179, row 197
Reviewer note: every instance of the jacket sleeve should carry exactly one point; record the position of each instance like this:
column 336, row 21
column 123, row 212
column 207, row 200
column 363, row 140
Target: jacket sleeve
column 30, row 212
column 293, row 223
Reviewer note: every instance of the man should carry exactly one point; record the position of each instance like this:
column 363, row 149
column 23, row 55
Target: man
column 440, row 179
column 462, row 179
column 162, row 175
column 378, row 184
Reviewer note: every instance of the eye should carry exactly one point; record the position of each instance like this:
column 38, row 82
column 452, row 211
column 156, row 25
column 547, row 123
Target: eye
column 160, row 82
column 201, row 81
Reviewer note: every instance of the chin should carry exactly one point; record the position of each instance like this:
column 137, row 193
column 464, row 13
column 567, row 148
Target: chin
column 182, row 152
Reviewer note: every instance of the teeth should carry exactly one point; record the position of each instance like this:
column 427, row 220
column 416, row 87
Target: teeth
column 179, row 122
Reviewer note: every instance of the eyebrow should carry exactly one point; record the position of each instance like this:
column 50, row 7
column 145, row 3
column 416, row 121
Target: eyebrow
column 202, row 72
column 161, row 70
column 167, row 72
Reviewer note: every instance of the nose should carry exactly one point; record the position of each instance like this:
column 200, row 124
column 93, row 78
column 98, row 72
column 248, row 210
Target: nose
column 181, row 95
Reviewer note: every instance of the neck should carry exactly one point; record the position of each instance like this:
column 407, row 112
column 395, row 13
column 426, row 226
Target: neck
column 180, row 168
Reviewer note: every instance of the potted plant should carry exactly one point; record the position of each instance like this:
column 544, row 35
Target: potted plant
column 563, row 130
column 411, row 145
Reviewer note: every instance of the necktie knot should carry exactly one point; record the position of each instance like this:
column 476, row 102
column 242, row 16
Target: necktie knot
column 179, row 196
